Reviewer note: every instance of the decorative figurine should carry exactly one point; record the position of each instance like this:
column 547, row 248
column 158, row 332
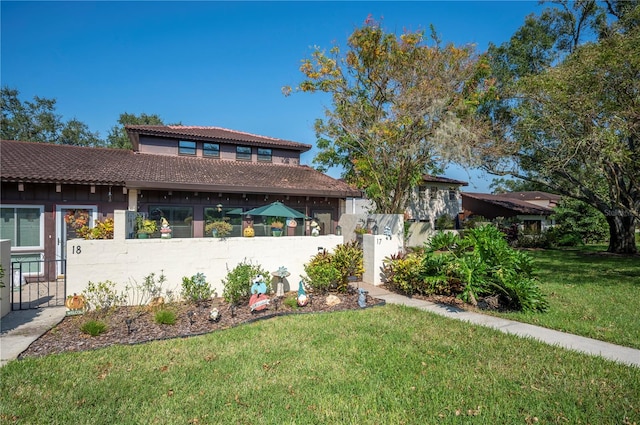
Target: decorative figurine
column 258, row 301
column 362, row 297
column 302, row 295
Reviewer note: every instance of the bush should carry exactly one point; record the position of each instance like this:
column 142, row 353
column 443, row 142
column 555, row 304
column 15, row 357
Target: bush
column 101, row 230
column 165, row 317
column 321, row 274
column 480, row 264
column 103, row 296
column 221, row 229
column 196, row 288
column 93, row 327
column 348, row 260
column 237, row 284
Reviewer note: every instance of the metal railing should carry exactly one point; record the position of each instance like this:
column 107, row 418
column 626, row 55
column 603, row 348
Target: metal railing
column 37, row 284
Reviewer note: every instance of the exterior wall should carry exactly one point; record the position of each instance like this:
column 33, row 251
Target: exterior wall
column 375, row 248
column 425, row 206
column 5, row 293
column 484, row 209
column 169, row 146
column 349, row 222
column 125, row 262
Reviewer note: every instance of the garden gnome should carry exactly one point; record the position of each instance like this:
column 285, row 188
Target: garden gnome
column 362, row 297
column 315, row 228
column 302, row 295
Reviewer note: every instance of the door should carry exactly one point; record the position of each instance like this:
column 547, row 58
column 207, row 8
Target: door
column 69, row 219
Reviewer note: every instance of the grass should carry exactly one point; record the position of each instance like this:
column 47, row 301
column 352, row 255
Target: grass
column 589, row 294
column 388, row 364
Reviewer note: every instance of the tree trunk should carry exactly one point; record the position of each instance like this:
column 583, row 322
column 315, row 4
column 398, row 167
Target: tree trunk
column 622, row 238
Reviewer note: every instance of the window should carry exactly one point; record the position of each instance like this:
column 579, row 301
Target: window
column 24, row 226
column 180, row 219
column 243, row 153
column 452, row 194
column 433, row 192
column 211, row 150
column 264, row 155
column 422, row 191
column 187, row 147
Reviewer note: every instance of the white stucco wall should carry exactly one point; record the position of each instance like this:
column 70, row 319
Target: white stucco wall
column 375, row 249
column 124, row 261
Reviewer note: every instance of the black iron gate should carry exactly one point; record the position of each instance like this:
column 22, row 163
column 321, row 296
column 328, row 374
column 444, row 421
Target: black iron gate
column 37, row 284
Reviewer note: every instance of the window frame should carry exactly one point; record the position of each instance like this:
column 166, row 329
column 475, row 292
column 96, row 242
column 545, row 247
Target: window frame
column 189, row 150
column 242, row 156
column 263, row 157
column 28, row 248
column 206, row 152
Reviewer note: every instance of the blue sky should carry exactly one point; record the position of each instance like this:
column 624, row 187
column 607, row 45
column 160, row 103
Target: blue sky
column 212, row 63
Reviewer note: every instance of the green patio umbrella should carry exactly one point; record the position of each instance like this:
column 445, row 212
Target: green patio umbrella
column 276, row 209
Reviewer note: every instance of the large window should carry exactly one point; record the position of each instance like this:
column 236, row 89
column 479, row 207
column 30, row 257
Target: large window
column 24, row 226
column 187, row 147
column 243, row 153
column 180, row 219
column 264, row 155
column 211, row 150
column 232, row 216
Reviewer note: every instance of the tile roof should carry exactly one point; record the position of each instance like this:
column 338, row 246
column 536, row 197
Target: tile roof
column 437, row 179
column 517, row 205
column 49, row 163
column 210, row 134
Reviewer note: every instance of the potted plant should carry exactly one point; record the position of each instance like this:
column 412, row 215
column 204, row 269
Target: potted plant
column 276, row 227
column 145, row 227
column 218, row 229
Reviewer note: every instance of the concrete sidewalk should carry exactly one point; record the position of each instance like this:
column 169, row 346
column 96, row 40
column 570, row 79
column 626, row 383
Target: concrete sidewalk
column 594, row 347
column 19, row 329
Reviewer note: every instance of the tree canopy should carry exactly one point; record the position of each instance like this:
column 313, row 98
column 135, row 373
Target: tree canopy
column 568, row 114
column 37, row 121
column 118, row 138
column 402, row 106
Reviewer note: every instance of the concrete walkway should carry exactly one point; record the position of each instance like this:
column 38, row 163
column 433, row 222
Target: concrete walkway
column 19, row 329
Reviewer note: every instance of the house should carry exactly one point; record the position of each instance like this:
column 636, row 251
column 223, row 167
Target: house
column 532, row 209
column 188, row 175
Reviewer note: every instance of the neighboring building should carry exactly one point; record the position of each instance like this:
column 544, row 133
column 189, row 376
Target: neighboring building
column 189, row 175
column 532, row 209
column 434, row 197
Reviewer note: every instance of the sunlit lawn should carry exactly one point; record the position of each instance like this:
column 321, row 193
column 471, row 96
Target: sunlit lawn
column 384, row 365
column 590, row 294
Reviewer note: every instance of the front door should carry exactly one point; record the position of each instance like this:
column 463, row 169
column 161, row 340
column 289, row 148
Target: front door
column 70, row 219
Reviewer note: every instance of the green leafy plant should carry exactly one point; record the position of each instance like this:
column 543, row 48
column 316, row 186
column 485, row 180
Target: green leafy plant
column 101, row 230
column 196, row 288
column 445, row 222
column 348, row 260
column 103, row 295
column 321, row 274
column 165, row 317
column 291, row 302
column 218, row 229
column 93, row 327
column 145, row 225
column 237, row 283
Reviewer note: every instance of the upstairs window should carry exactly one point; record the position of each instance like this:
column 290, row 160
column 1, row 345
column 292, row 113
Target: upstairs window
column 243, row 153
column 433, row 192
column 211, row 150
column 264, row 155
column 453, row 194
column 187, row 147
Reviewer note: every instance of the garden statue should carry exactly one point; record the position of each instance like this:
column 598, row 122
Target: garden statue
column 165, row 229
column 315, row 228
column 302, row 295
column 362, row 297
column 387, row 232
column 258, row 301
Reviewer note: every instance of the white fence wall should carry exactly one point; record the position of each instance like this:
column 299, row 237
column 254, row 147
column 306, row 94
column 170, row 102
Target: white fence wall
column 125, row 261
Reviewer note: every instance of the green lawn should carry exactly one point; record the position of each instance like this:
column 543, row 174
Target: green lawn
column 590, row 294
column 384, row 365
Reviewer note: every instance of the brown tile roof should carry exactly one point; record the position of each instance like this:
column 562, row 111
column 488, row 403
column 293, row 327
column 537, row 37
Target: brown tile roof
column 48, row 163
column 210, row 134
column 437, row 179
column 535, row 195
column 517, row 205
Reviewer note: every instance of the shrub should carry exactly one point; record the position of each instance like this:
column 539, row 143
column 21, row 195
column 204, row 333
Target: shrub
column 101, row 230
column 93, row 327
column 221, row 229
column 445, row 222
column 404, row 273
column 237, row 283
column 165, row 317
column 103, row 296
column 196, row 288
column 348, row 260
column 321, row 274
column 291, row 302
column 150, row 288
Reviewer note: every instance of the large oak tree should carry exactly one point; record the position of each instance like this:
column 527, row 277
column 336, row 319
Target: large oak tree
column 569, row 111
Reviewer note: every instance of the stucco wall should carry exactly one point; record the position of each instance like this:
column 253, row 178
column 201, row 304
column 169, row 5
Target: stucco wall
column 127, row 261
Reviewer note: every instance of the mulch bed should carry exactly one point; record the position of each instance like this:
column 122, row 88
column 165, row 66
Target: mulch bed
column 134, row 325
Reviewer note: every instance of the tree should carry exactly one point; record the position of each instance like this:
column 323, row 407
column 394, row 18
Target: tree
column 569, row 111
column 577, row 221
column 504, row 185
column 118, row 138
column 401, row 108
column 37, row 121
